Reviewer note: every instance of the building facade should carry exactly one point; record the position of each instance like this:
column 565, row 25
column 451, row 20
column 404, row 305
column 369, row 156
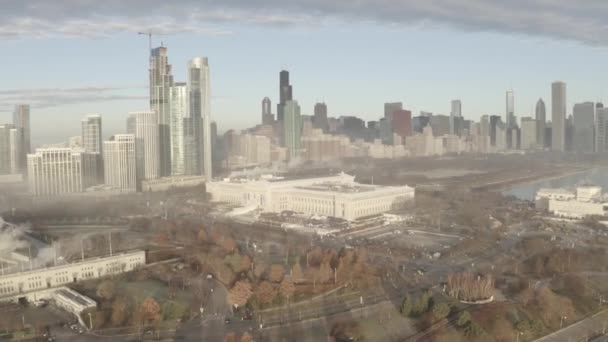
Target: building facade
column 336, row 196
column 147, row 145
column 584, row 127
column 529, row 133
column 120, row 163
column 180, row 120
column 601, row 130
column 21, row 120
column 55, row 171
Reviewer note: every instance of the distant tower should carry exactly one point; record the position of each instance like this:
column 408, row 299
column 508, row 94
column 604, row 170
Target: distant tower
column 455, row 115
column 285, row 93
column 21, row 120
column 91, row 134
column 180, row 123
column 558, row 116
column 293, row 128
column 200, row 109
column 319, row 120
column 510, row 119
column 161, row 81
column 131, row 124
column 267, row 117
column 584, row 127
column 541, row 119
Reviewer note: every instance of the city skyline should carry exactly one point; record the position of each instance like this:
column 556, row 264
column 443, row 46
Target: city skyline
column 117, row 88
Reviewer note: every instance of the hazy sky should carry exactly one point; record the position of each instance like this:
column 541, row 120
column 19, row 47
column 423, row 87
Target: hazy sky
column 69, row 58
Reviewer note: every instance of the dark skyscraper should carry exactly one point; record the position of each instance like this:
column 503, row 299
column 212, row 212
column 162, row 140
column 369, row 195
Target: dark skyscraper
column 285, row 93
column 494, row 121
column 319, row 120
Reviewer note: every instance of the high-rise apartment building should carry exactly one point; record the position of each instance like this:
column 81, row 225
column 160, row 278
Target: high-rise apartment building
column 55, row 171
column 558, row 116
column 541, row 119
column 200, row 107
column 161, row 81
column 179, row 123
column 293, row 128
column 584, row 127
column 147, row 145
column 120, row 169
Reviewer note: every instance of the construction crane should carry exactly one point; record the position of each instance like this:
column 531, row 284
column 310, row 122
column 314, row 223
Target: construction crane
column 149, row 34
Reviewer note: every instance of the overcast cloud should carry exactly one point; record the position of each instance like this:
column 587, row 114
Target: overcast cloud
column 583, row 21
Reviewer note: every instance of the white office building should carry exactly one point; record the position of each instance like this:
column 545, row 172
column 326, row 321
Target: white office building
column 120, row 170
column 586, row 201
column 178, row 102
column 336, row 196
column 147, row 145
column 55, row 171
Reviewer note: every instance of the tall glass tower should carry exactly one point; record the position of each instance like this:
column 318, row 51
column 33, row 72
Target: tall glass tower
column 161, row 81
column 200, row 107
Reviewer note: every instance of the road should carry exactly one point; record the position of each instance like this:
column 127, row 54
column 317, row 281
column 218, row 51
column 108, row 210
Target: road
column 581, row 330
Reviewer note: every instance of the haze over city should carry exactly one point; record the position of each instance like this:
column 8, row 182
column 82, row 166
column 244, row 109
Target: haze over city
column 303, row 170
column 422, row 55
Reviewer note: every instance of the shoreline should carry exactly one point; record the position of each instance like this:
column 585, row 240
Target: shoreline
column 509, row 184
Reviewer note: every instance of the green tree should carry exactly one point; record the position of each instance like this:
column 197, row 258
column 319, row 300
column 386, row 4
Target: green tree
column 406, row 306
column 441, row 311
column 463, row 319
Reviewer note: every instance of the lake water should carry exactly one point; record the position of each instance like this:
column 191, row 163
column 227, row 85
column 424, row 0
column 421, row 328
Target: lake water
column 597, row 176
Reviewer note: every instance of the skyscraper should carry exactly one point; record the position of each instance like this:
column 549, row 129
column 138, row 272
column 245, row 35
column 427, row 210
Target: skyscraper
column 54, row 171
column 120, row 170
column 584, row 127
column 293, row 128
column 390, row 108
column 285, row 93
column 402, row 123
column 179, row 123
column 529, row 131
column 160, row 82
column 5, row 148
column 494, row 121
column 131, row 124
column 319, row 120
column 558, row 116
column 199, row 97
column 511, row 122
column 601, row 130
column 21, row 120
column 16, row 150
column 91, row 134
column 267, row 117
column 541, row 119
column 147, row 145
column 455, row 113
